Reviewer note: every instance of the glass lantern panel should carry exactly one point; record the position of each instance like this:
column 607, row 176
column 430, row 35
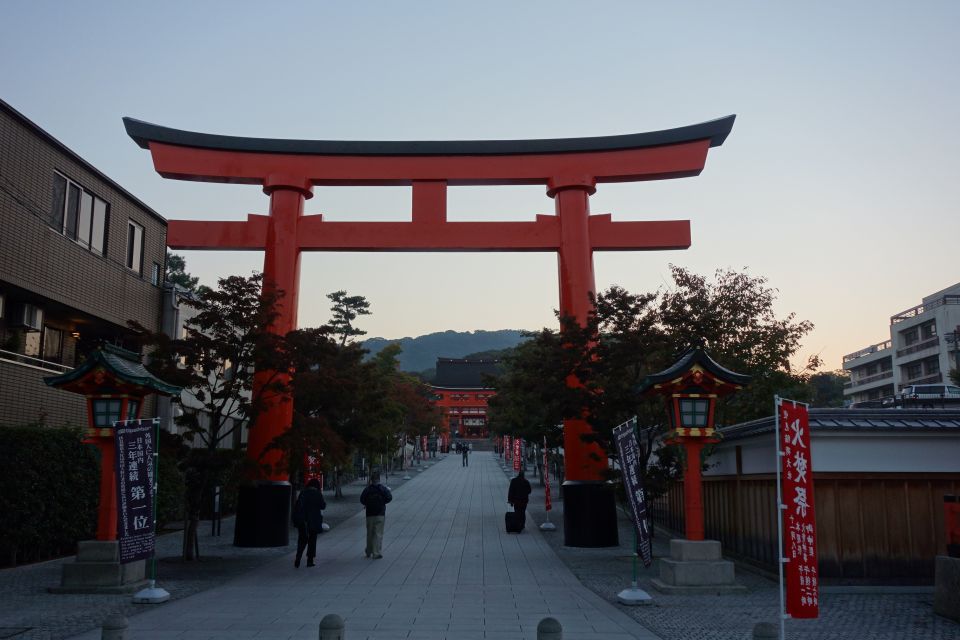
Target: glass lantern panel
column 693, row 412
column 133, row 408
column 106, row 411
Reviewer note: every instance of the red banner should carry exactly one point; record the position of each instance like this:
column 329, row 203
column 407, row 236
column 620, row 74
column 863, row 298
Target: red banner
column 516, row 454
column 313, row 467
column 506, row 447
column 546, row 477
column 799, row 523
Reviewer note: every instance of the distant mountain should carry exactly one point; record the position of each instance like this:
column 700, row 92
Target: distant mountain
column 421, row 353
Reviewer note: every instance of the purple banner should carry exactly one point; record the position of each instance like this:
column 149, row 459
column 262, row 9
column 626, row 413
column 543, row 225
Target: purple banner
column 135, row 481
column 629, row 452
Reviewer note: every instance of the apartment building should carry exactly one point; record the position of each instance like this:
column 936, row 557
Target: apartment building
column 80, row 256
column 922, row 349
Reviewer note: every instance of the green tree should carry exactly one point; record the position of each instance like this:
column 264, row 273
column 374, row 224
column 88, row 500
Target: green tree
column 177, row 272
column 225, row 343
column 345, row 310
column 629, row 336
column 825, row 388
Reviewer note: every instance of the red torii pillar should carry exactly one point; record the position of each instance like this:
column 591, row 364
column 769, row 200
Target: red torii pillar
column 570, row 169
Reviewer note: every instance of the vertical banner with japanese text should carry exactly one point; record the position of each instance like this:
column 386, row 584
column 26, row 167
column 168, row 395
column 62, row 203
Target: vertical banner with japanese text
column 628, row 450
column 801, row 579
column 548, row 504
column 507, row 451
column 517, row 454
column 313, row 466
column 134, row 468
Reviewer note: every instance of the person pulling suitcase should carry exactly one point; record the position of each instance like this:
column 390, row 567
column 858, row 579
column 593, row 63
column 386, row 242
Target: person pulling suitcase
column 518, row 495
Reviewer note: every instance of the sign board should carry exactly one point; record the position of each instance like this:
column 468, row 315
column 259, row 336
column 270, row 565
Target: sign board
column 798, row 524
column 628, row 450
column 134, row 440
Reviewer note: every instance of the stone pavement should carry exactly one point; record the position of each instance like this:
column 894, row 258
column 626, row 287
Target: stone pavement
column 449, row 571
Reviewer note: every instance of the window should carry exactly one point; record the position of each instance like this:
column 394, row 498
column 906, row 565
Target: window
column 928, row 331
column 910, row 336
column 78, row 214
column 133, row 409
column 155, row 277
column 914, row 370
column 134, row 246
column 931, row 366
column 52, row 344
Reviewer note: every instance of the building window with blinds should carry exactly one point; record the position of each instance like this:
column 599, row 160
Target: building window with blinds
column 79, row 214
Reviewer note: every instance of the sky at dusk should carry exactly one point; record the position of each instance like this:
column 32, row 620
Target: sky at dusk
column 838, row 182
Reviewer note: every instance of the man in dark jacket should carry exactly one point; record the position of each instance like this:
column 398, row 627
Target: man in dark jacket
column 375, row 498
column 519, row 495
column 308, row 518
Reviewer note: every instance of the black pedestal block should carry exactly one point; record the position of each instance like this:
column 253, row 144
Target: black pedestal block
column 263, row 515
column 589, row 514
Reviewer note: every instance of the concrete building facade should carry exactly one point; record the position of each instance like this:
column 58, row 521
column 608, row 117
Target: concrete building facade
column 922, row 349
column 79, row 257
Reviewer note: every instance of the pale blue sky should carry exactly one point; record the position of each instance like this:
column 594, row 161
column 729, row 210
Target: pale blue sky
column 838, row 182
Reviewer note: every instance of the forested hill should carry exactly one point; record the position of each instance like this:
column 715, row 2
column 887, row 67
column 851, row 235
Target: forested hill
column 421, row 353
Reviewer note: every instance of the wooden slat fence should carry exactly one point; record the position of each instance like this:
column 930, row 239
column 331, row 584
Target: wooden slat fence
column 877, row 528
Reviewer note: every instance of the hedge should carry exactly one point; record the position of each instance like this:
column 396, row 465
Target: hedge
column 49, row 489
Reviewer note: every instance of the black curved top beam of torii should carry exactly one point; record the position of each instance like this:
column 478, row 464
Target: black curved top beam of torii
column 143, row 133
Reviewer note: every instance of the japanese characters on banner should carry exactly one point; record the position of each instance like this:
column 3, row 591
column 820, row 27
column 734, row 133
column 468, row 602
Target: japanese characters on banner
column 516, row 454
column 506, row 447
column 135, row 485
column 424, row 445
column 548, row 504
column 628, row 450
column 799, row 524
column 312, row 468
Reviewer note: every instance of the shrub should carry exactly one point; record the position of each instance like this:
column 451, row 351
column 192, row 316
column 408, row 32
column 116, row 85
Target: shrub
column 49, row 490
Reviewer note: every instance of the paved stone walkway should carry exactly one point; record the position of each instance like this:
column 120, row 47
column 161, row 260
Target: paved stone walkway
column 449, row 571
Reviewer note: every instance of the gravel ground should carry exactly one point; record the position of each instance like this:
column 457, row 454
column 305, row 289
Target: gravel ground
column 845, row 613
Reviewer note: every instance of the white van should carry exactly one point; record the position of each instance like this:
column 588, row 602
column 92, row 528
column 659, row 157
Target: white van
column 929, row 392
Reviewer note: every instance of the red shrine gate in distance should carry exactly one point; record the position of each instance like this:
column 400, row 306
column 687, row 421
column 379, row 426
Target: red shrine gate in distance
column 569, row 168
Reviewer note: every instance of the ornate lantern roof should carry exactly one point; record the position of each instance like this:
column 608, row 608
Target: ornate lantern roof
column 110, row 370
column 695, row 370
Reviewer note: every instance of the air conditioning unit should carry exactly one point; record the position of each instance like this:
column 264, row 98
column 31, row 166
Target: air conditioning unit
column 28, row 316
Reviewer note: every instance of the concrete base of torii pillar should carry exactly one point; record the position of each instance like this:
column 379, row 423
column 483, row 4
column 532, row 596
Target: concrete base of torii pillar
column 98, row 570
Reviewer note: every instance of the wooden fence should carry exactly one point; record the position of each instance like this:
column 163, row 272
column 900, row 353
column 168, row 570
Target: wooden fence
column 871, row 528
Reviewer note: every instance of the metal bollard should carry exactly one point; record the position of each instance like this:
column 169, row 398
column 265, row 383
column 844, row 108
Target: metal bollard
column 114, row 628
column 332, row 627
column 549, row 629
column 765, row 631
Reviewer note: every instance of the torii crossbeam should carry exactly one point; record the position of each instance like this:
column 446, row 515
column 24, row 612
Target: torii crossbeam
column 570, row 169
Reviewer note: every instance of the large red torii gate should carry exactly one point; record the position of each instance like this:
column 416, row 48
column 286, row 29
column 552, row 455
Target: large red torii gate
column 569, row 168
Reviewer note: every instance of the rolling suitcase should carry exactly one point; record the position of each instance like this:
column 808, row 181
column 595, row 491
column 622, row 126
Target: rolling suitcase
column 513, row 522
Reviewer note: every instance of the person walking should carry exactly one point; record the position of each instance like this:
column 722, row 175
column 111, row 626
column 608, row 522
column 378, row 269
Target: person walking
column 466, row 453
column 308, row 518
column 375, row 498
column 519, row 495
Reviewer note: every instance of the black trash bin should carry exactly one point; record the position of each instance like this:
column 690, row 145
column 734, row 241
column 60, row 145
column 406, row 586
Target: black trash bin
column 263, row 515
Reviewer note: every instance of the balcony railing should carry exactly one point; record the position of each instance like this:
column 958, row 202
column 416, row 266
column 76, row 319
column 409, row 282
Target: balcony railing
column 920, row 346
column 37, row 363
column 883, row 375
column 874, row 348
column 923, row 308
